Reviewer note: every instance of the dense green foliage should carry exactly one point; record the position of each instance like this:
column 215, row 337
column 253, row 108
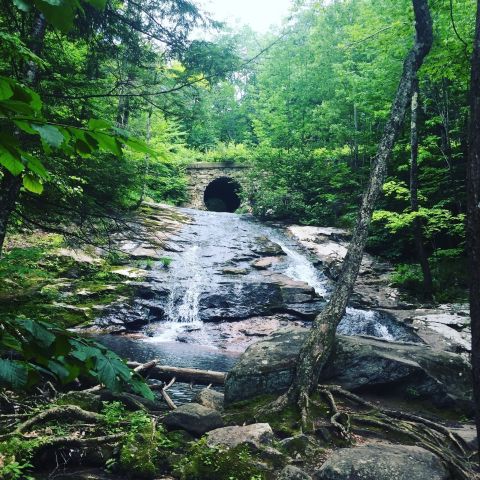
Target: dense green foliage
column 305, row 107
column 313, row 109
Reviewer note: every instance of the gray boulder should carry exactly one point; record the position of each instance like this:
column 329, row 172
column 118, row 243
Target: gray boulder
column 210, row 398
column 296, row 446
column 383, row 462
column 193, row 418
column 291, row 472
column 357, row 363
column 257, row 435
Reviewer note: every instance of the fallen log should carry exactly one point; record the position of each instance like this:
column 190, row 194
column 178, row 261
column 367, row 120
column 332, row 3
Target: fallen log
column 182, row 375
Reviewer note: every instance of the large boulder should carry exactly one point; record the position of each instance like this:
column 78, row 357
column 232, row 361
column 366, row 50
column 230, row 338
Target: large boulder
column 357, row 363
column 382, row 462
column 210, row 398
column 193, row 418
column 257, row 435
column 291, row 472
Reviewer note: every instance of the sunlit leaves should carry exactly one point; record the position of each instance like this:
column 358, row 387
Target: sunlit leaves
column 11, row 162
column 5, row 90
column 21, row 107
column 32, row 184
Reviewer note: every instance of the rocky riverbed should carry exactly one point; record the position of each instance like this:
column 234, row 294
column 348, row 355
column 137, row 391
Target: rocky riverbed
column 225, row 292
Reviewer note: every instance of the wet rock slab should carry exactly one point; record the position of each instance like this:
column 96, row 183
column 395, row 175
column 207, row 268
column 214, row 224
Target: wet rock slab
column 358, row 364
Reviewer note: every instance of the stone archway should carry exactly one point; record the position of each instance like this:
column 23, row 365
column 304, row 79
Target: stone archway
column 222, row 195
column 203, row 176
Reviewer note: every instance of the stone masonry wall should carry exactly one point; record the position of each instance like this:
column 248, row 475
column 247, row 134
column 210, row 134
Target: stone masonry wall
column 200, row 175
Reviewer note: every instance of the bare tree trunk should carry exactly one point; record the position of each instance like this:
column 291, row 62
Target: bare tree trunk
column 10, row 185
column 418, row 223
column 146, row 165
column 473, row 215
column 355, row 138
column 318, row 345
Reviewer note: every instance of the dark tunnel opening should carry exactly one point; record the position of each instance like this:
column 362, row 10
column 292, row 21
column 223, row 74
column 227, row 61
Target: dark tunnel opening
column 221, row 195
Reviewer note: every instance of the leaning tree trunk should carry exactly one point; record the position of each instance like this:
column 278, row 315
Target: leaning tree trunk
column 318, row 345
column 417, row 222
column 473, row 215
column 10, row 185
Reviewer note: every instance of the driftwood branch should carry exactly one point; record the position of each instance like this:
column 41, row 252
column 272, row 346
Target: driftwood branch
column 182, row 375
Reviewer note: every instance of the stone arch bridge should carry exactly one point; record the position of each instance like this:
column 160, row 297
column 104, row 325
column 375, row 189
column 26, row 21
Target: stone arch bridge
column 215, row 186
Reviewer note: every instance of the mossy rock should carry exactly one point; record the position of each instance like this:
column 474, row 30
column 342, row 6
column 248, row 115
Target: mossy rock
column 85, row 400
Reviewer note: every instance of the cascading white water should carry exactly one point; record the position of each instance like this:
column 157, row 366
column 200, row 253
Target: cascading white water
column 188, row 309
column 198, row 287
column 302, row 269
column 355, row 322
column 182, row 309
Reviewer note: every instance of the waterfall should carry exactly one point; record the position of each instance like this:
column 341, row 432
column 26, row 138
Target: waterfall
column 182, row 309
column 184, row 299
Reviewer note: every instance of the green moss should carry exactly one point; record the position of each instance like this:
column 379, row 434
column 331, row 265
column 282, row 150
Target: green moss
column 205, row 463
column 38, row 282
column 286, row 423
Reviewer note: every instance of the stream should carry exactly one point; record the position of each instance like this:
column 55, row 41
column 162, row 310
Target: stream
column 209, row 304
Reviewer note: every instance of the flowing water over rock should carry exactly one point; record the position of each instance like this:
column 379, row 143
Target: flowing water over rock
column 231, row 280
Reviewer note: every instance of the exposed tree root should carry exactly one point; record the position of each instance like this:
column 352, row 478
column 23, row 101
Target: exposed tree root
column 396, row 414
column 335, row 419
column 425, row 433
column 78, row 442
column 67, row 412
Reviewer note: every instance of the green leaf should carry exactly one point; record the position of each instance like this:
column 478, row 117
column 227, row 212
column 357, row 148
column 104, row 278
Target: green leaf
column 140, row 387
column 36, row 166
column 98, row 4
column 13, row 373
column 5, row 89
column 83, row 351
column 140, row 146
column 50, row 135
column 10, row 162
column 22, row 5
column 58, row 369
column 32, row 184
column 110, row 369
column 59, row 14
column 98, row 124
column 40, row 334
column 10, row 342
column 83, row 148
column 25, row 126
column 108, row 142
column 17, row 106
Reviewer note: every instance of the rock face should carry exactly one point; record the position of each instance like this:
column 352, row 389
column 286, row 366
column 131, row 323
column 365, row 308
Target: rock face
column 373, row 286
column 193, row 418
column 257, row 435
column 383, row 462
column 357, row 364
column 210, row 398
column 226, row 301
